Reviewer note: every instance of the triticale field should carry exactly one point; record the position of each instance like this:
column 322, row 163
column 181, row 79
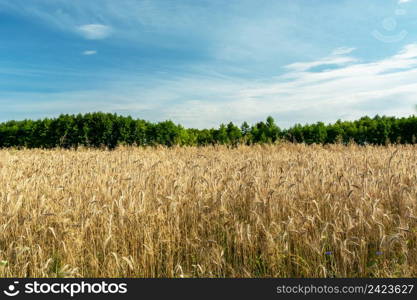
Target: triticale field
column 282, row 210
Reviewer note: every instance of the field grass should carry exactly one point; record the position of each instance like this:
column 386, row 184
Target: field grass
column 264, row 211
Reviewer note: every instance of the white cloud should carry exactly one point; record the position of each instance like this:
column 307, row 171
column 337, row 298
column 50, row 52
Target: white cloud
column 349, row 91
column 404, row 1
column 335, row 59
column 89, row 52
column 343, row 50
column 335, row 86
column 95, row 31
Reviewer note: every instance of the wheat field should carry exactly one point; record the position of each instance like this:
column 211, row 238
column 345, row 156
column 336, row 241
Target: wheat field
column 281, row 210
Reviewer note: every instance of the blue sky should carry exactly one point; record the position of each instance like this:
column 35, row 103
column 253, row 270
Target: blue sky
column 201, row 63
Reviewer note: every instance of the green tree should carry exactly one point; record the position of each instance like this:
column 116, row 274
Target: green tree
column 220, row 135
column 234, row 134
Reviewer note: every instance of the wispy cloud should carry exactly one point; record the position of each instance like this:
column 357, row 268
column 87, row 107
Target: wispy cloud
column 348, row 91
column 404, row 1
column 201, row 63
column 343, row 50
column 95, row 31
column 89, row 52
column 337, row 58
column 232, row 31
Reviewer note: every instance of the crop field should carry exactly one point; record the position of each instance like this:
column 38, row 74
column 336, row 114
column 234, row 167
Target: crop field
column 282, row 210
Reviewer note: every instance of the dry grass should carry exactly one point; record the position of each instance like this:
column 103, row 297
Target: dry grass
column 262, row 211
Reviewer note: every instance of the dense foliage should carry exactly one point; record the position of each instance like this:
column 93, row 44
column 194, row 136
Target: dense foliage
column 109, row 130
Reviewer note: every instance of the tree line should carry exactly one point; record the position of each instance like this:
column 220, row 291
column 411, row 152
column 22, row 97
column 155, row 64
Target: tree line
column 110, row 130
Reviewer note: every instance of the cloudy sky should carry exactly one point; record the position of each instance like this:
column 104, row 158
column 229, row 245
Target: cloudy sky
column 204, row 62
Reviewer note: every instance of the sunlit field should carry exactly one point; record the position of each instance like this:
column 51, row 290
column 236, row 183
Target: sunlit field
column 282, row 210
